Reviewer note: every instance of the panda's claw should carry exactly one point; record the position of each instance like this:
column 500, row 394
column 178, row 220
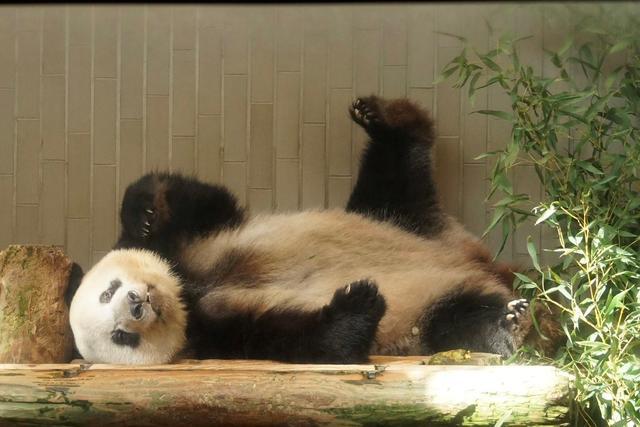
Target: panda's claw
column 515, row 310
column 518, row 305
column 364, row 113
column 146, row 221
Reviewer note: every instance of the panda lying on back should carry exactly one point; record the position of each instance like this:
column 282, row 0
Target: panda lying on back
column 391, row 275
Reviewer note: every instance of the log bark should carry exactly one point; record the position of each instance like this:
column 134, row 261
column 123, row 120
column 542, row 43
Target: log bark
column 391, row 391
column 34, row 318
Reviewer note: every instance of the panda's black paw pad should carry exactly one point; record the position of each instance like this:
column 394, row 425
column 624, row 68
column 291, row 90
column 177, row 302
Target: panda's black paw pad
column 365, row 112
column 359, row 297
column 516, row 309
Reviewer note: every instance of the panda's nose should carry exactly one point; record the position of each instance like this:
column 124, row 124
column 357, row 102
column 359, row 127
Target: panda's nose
column 137, row 311
column 135, row 305
column 133, row 297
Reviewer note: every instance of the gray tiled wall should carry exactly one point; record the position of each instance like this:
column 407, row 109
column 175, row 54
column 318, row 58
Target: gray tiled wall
column 253, row 96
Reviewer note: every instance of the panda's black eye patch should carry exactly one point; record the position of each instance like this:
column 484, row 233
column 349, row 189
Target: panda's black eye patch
column 130, row 339
column 106, row 296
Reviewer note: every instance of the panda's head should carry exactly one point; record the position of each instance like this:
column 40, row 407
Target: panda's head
column 128, row 310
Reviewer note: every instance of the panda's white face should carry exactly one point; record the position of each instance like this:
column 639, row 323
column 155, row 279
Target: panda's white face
column 128, row 310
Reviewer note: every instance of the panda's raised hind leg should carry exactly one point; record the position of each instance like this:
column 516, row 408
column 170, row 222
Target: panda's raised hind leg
column 395, row 181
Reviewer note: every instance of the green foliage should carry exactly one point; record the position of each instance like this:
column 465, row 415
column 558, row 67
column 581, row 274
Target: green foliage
column 578, row 126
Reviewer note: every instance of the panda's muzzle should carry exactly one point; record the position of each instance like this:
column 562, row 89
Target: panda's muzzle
column 136, row 305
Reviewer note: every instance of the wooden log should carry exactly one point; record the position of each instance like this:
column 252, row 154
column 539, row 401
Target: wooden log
column 34, row 318
column 217, row 392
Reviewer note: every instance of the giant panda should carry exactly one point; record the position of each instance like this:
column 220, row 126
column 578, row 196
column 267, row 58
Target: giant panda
column 192, row 274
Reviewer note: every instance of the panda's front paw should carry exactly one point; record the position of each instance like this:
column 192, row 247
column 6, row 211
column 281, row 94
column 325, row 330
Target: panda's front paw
column 140, row 218
column 516, row 309
column 366, row 113
column 350, row 323
column 361, row 297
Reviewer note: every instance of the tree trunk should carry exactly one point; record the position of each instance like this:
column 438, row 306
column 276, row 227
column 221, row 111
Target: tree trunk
column 393, row 391
column 34, row 318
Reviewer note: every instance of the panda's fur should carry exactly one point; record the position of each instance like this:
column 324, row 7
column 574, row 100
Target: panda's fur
column 390, row 275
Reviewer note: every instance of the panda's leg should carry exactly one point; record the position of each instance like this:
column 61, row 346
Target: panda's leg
column 340, row 332
column 478, row 322
column 160, row 211
column 395, row 181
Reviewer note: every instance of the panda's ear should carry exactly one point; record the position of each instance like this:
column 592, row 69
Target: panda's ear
column 75, row 278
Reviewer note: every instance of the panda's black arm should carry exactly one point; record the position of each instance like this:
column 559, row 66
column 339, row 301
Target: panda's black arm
column 161, row 211
column 395, row 181
column 340, row 332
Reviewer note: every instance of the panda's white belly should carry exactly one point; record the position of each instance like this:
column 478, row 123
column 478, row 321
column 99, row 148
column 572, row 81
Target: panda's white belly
column 304, row 257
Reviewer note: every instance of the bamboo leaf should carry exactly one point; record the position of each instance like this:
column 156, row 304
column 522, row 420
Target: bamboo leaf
column 533, row 253
column 546, row 214
column 496, row 113
column 489, row 63
column 622, row 45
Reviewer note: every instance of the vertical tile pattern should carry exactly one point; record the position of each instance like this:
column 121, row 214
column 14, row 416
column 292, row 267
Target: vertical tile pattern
column 79, row 175
column 262, row 55
column 421, row 46
column 287, row 185
column 26, row 231
column 235, row 41
column 53, row 117
column 7, row 130
column 448, row 173
column 52, row 204
column 210, row 71
column 289, row 30
column 6, row 210
column 130, row 158
column 103, row 231
column 260, row 200
column 7, row 117
column 339, row 135
column 158, row 50
column 53, row 40
column 340, row 60
column 79, row 88
column 28, row 67
column 209, row 146
column 235, row 118
column 79, row 242
column 183, row 155
column 132, row 46
column 288, row 115
column 105, row 41
column 254, row 97
column 261, row 146
column 157, row 133
column 184, row 93
column 27, row 158
column 8, row 47
column 104, row 121
column 313, row 163
column 314, row 77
